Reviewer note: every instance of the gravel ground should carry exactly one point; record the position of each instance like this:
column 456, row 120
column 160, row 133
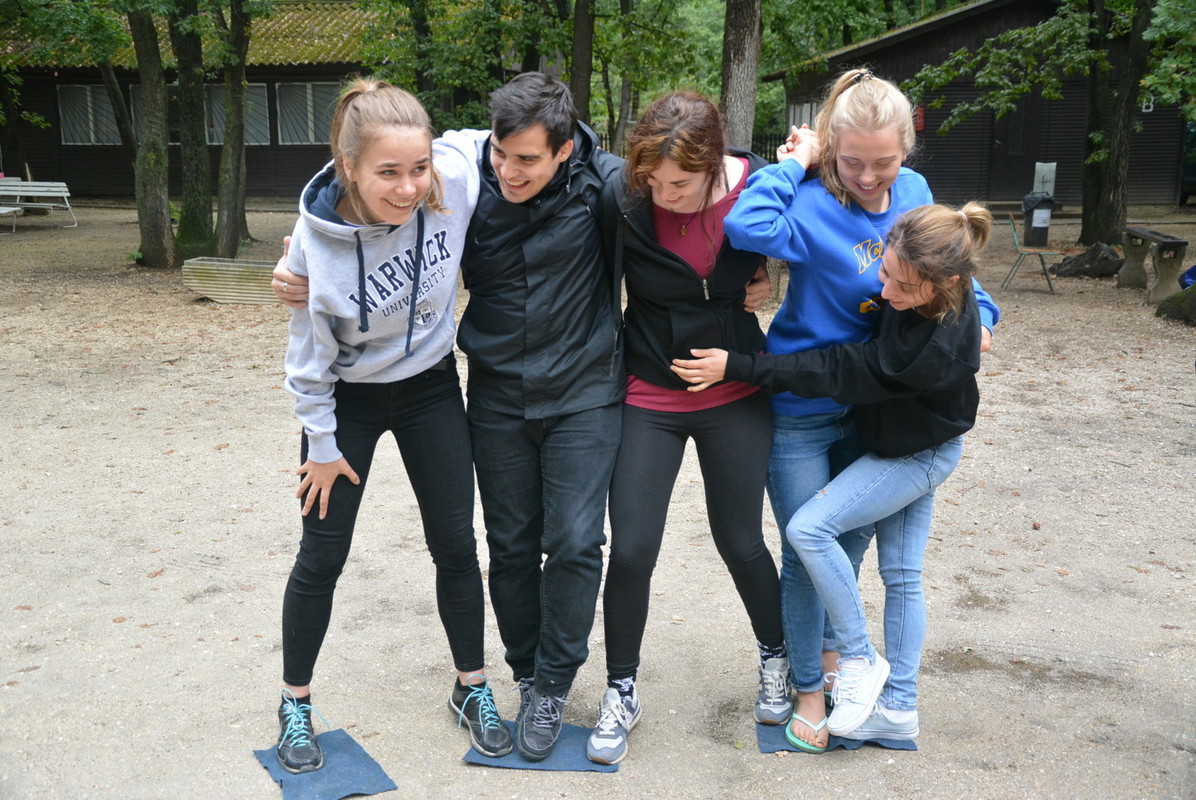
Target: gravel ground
column 149, row 526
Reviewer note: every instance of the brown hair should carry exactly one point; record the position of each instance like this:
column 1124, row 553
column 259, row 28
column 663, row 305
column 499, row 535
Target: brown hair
column 940, row 243
column 684, row 127
column 860, row 101
column 366, row 107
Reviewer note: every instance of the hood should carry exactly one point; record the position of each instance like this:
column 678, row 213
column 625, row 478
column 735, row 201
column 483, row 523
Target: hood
column 317, row 206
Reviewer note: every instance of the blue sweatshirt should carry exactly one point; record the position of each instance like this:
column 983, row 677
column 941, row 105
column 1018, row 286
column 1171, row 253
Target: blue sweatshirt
column 834, row 254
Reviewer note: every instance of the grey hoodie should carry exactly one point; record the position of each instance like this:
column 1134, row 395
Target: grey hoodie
column 343, row 335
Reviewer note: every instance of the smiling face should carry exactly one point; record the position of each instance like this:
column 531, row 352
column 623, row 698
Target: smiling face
column 392, row 175
column 902, row 286
column 524, row 162
column 868, row 163
column 677, row 190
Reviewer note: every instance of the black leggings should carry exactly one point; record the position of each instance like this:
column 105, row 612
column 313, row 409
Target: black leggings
column 733, row 442
column 426, row 415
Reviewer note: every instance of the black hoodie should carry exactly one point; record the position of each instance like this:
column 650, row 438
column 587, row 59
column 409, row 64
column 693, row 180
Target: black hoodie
column 670, row 309
column 913, row 386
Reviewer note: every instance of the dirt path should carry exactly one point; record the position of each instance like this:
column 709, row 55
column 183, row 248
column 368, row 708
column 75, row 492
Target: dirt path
column 148, row 528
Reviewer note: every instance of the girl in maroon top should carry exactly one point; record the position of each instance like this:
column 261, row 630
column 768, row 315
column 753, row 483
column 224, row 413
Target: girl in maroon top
column 685, row 289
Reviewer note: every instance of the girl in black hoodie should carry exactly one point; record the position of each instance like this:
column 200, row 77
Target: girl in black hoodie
column 663, row 225
column 914, row 394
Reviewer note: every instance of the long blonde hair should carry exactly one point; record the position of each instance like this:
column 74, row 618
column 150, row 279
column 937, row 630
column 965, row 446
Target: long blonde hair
column 366, row 107
column 940, row 245
column 860, row 101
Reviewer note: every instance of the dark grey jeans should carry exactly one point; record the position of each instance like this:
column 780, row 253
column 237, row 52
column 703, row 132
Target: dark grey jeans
column 543, row 485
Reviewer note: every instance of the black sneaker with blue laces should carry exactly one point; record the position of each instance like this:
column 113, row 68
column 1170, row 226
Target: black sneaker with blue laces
column 298, row 750
column 474, row 704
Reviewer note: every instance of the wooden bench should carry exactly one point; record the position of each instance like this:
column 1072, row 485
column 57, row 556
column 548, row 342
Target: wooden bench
column 49, row 195
column 1167, row 255
column 230, row 280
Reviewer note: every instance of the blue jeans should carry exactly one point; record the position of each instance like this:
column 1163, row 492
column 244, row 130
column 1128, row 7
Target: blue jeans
column 806, row 453
column 543, row 485
column 897, row 494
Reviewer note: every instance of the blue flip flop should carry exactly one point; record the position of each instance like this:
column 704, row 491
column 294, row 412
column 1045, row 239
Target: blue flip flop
column 799, row 743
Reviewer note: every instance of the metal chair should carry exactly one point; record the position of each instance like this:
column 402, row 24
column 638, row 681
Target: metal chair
column 1022, row 252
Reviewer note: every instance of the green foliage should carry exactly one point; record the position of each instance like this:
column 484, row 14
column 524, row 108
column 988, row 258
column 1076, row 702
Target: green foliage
column 660, row 46
column 1172, row 35
column 453, row 54
column 1011, row 65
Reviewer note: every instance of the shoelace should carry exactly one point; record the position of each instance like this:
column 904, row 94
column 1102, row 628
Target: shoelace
column 775, row 685
column 487, row 712
column 299, row 730
column 546, row 714
column 847, row 682
column 612, row 715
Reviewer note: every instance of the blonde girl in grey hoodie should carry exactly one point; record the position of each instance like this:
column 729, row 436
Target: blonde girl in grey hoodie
column 379, row 238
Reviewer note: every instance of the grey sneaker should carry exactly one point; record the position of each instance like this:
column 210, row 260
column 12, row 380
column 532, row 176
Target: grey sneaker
column 524, row 686
column 879, row 726
column 537, row 731
column 474, row 704
column 617, row 715
column 857, row 687
column 298, row 750
column 774, row 703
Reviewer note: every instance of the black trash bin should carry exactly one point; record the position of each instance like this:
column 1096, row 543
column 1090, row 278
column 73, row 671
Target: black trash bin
column 1037, row 207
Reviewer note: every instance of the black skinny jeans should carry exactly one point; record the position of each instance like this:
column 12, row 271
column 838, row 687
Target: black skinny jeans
column 426, row 416
column 733, row 443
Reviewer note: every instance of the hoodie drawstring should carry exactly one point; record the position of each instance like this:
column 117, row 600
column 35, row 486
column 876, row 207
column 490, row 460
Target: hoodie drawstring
column 419, row 263
column 362, row 303
column 363, row 307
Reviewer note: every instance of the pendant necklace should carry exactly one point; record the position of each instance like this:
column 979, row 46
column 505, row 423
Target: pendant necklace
column 682, row 221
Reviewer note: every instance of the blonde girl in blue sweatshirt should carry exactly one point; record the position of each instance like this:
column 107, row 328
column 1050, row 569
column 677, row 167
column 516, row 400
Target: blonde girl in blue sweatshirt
column 831, row 230
column 914, row 393
column 379, row 239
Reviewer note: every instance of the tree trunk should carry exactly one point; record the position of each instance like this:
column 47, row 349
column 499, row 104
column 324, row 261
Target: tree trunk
column 153, row 196
column 1095, row 157
column 582, row 60
column 231, row 225
column 120, row 111
column 1103, row 216
column 195, row 215
column 14, row 153
column 741, row 52
column 625, row 117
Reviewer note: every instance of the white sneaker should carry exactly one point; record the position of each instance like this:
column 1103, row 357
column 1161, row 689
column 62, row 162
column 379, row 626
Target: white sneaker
column 857, row 687
column 774, row 702
column 879, row 726
column 616, row 717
